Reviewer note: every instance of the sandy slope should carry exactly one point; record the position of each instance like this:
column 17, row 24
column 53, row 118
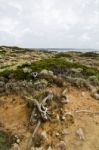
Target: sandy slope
column 14, row 117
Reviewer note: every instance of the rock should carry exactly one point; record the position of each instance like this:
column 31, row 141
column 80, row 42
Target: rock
column 80, row 133
column 18, row 141
column 63, row 118
column 44, row 134
column 61, row 145
column 57, row 134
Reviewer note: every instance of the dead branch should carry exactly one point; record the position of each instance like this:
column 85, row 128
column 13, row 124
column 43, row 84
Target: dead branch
column 64, row 97
column 43, row 112
column 83, row 110
column 86, row 111
column 32, row 120
column 30, row 142
column 49, row 97
column 81, row 134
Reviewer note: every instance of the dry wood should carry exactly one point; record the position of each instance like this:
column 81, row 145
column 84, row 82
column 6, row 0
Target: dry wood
column 86, row 111
column 30, row 142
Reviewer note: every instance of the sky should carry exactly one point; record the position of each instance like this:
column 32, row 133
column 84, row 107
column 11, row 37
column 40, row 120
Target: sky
column 50, row 23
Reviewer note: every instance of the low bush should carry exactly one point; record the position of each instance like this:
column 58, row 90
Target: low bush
column 5, row 141
column 61, row 54
column 89, row 54
column 53, row 64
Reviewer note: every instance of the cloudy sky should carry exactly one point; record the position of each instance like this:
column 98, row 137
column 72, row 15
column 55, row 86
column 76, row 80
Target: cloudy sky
column 50, row 23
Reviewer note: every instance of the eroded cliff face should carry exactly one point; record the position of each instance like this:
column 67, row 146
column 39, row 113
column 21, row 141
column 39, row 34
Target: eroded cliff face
column 82, row 112
column 48, row 101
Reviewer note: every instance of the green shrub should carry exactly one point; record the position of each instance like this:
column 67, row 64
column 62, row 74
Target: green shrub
column 59, row 63
column 2, row 52
column 5, row 141
column 6, row 73
column 19, row 74
column 61, row 54
column 89, row 54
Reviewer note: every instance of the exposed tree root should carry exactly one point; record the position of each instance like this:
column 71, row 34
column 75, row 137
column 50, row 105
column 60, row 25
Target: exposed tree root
column 40, row 107
column 30, row 142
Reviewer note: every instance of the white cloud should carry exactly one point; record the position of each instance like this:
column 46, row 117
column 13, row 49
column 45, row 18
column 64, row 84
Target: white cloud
column 50, row 23
column 85, row 37
column 16, row 5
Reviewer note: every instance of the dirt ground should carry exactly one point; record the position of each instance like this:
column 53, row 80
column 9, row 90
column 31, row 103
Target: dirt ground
column 15, row 115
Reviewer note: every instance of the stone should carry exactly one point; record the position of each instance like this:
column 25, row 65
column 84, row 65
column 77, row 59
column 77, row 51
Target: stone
column 57, row 134
column 61, row 145
column 80, row 133
column 44, row 134
column 18, row 141
column 63, row 118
